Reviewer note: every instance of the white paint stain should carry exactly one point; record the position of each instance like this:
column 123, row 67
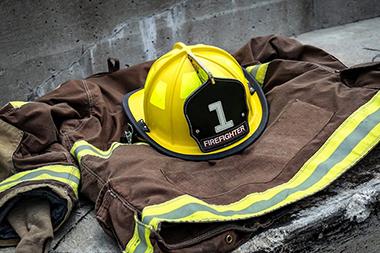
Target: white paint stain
column 358, row 208
column 175, row 18
column 148, row 33
column 236, row 9
column 92, row 57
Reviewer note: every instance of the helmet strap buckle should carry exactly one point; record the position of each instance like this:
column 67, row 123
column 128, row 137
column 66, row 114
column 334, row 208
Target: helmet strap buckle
column 128, row 134
column 143, row 125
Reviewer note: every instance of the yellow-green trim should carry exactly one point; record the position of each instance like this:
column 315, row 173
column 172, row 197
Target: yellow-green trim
column 82, row 148
column 261, row 72
column 352, row 140
column 249, row 68
column 66, row 174
column 18, row 104
column 140, row 236
column 258, row 71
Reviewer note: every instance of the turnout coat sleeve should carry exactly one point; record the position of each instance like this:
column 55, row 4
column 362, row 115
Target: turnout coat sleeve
column 285, row 56
column 37, row 171
column 268, row 48
column 35, row 164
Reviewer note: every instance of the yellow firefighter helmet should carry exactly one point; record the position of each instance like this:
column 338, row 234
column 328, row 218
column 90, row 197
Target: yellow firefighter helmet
column 198, row 103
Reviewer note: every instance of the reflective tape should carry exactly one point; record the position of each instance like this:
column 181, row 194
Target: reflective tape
column 258, row 71
column 82, row 148
column 17, row 104
column 66, row 174
column 261, row 72
column 352, row 140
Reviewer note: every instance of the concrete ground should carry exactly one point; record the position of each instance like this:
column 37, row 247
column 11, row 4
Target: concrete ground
column 342, row 218
column 351, row 43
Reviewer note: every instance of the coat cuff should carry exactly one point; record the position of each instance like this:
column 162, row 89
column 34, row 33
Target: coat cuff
column 56, row 183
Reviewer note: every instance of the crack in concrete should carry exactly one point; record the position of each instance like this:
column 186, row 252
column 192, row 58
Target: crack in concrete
column 376, row 56
column 375, row 50
column 371, row 49
column 62, row 239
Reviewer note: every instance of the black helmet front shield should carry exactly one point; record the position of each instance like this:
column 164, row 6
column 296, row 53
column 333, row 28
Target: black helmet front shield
column 217, row 114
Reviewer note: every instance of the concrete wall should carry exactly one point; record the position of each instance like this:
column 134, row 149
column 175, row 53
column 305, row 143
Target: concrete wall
column 45, row 42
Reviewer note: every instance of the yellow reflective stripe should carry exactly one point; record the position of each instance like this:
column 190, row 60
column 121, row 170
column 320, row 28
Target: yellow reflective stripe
column 83, row 148
column 258, row 71
column 17, row 104
column 352, row 140
column 140, row 143
column 253, row 70
column 261, row 72
column 249, row 68
column 140, row 241
column 66, row 174
column 133, row 243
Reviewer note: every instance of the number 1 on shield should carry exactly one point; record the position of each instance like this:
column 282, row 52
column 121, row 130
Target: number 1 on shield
column 223, row 123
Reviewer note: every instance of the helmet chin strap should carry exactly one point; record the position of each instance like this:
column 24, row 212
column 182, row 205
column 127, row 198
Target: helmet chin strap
column 251, row 81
